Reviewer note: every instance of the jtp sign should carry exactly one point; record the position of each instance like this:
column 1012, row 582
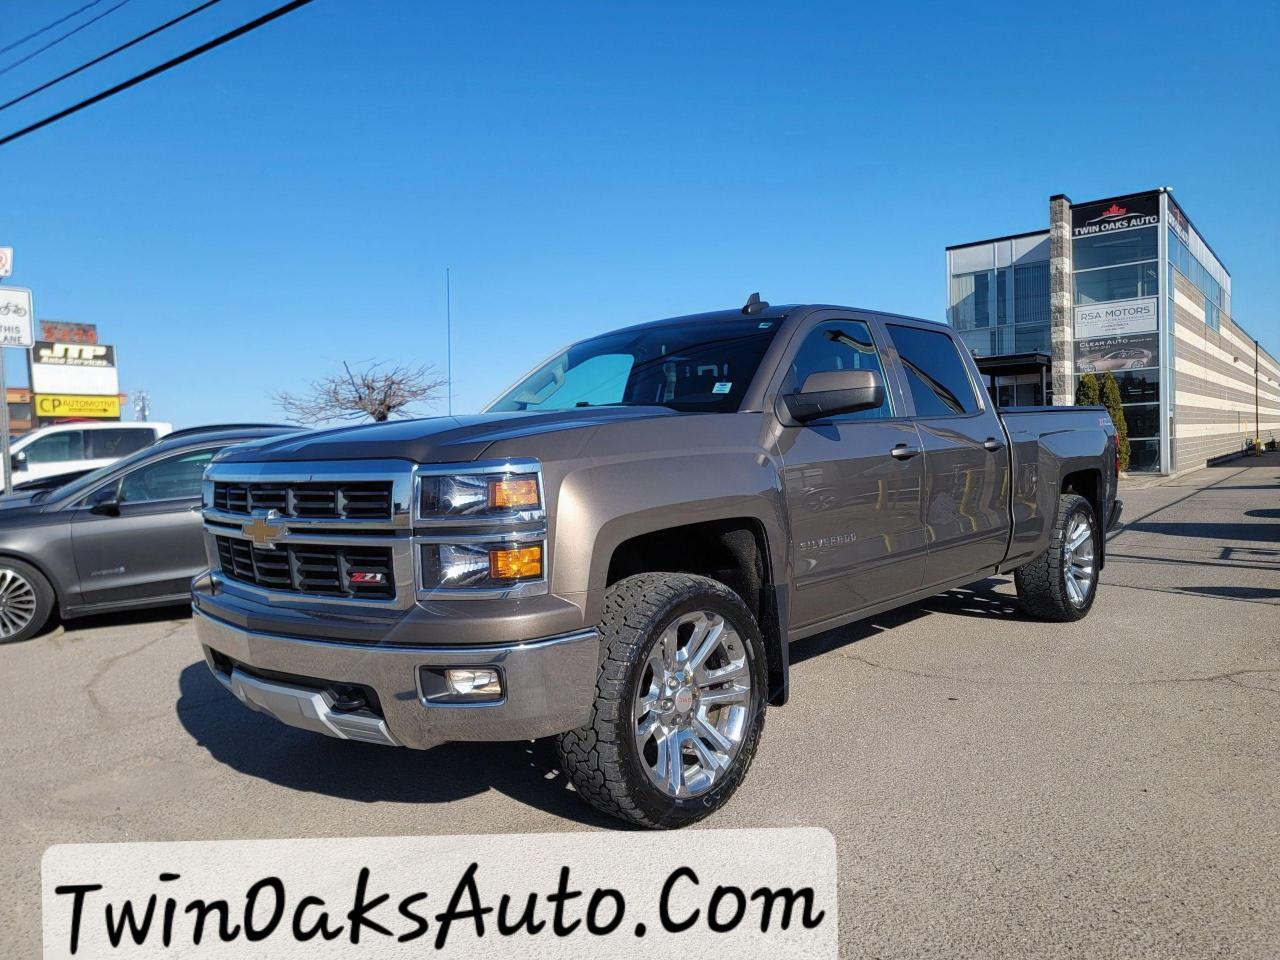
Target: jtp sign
column 15, row 317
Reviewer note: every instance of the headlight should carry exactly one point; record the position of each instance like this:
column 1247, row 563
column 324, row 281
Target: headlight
column 480, row 530
column 479, row 496
column 492, row 565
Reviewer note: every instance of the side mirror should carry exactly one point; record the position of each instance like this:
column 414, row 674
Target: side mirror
column 832, row 392
column 18, row 461
column 105, row 501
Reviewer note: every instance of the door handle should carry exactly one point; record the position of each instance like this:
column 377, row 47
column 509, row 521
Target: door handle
column 903, row 451
column 991, row 444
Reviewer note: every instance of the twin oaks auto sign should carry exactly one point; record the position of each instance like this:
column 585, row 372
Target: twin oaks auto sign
column 1109, row 216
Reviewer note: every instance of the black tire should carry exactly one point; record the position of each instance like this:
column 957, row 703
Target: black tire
column 602, row 759
column 1042, row 584
column 38, row 601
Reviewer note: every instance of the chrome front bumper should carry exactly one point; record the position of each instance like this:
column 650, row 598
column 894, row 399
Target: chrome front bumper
column 548, row 684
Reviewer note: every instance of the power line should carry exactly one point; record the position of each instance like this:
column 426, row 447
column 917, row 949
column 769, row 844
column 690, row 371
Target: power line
column 57, row 40
column 110, row 53
column 49, row 26
column 154, row 71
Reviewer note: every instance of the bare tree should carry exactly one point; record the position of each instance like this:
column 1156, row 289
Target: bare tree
column 374, row 390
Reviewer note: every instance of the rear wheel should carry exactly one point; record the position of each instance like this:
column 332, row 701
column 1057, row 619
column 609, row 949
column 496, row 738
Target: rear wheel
column 679, row 702
column 26, row 601
column 1062, row 582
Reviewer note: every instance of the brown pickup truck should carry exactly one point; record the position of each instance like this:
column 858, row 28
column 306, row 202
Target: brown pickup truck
column 620, row 549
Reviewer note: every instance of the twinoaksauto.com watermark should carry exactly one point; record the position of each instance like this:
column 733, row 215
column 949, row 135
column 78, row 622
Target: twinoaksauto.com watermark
column 741, row 893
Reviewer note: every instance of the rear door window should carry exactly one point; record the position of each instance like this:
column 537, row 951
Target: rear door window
column 939, row 380
column 57, row 447
column 113, row 443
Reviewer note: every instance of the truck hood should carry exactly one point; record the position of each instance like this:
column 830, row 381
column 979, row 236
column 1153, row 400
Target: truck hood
column 433, row 439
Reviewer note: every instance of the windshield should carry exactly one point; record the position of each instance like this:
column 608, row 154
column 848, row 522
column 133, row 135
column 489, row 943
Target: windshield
column 697, row 366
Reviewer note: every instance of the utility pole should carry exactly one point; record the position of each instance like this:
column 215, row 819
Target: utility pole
column 1257, row 432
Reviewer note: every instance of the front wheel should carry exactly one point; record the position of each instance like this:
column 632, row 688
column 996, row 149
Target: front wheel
column 680, row 702
column 1062, row 582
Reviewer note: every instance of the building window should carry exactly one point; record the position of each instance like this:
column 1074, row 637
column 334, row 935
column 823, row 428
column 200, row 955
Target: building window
column 1110, row 249
column 1117, row 283
column 1186, row 263
column 1144, row 456
column 1031, row 293
column 1143, row 420
column 971, row 300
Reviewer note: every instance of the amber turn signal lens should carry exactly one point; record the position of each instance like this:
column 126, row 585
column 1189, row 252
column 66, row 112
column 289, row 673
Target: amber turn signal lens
column 511, row 493
column 516, row 563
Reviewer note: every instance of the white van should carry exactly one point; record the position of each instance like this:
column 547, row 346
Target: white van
column 67, row 447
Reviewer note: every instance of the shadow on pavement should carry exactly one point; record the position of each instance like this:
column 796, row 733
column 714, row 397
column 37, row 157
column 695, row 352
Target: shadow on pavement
column 1235, row 593
column 259, row 746
column 1221, row 532
column 976, row 600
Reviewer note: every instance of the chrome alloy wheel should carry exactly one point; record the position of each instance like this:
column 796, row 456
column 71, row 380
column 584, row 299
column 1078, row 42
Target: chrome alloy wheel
column 17, row 603
column 1077, row 559
column 690, row 713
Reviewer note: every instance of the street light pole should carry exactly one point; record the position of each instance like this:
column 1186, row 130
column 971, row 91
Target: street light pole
column 1257, row 432
column 448, row 339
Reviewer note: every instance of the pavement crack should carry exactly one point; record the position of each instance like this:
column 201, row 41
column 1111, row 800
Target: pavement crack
column 1232, row 677
column 90, row 687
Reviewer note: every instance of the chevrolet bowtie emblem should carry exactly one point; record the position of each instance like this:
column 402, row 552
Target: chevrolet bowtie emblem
column 264, row 529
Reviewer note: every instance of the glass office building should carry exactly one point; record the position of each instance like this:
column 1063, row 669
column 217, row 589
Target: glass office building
column 1126, row 286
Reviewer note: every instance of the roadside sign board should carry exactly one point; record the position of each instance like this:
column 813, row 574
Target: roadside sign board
column 74, row 405
column 15, row 317
column 1118, row 318
column 6, row 261
column 83, row 369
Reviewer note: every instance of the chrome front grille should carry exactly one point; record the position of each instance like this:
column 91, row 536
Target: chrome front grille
column 362, row 500
column 316, row 532
column 353, row 572
column 346, row 531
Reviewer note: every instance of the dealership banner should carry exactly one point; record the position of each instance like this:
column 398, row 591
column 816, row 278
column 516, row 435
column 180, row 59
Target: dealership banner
column 77, row 368
column 68, row 405
column 1117, row 353
column 1119, row 318
column 768, row 894
column 1127, row 213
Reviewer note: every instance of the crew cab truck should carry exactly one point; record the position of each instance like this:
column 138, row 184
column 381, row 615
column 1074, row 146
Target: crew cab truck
column 620, row 549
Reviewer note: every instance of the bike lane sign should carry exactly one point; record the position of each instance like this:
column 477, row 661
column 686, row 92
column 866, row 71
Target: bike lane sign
column 16, row 317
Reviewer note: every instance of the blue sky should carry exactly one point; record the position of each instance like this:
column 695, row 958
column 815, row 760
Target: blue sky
column 248, row 221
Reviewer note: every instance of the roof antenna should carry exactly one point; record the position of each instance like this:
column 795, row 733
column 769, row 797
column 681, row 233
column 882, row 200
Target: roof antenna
column 755, row 304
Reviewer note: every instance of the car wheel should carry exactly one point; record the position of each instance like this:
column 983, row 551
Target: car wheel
column 1062, row 582
column 680, row 702
column 26, row 601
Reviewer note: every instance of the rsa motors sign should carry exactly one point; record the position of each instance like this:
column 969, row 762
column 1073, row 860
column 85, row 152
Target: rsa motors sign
column 1121, row 318
column 1091, row 219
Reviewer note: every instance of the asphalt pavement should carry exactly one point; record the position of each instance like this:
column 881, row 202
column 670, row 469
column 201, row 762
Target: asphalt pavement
column 997, row 787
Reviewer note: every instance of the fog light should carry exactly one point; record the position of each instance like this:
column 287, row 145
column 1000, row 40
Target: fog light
column 474, row 684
